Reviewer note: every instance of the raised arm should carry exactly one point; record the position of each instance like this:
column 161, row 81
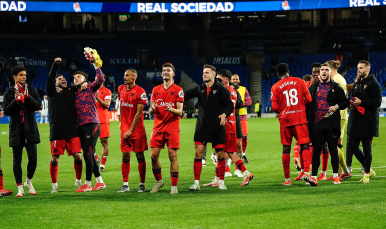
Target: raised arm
column 50, row 83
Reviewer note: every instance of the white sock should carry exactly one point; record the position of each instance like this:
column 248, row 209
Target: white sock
column 216, row 179
column 221, row 181
column 243, row 154
column 306, row 173
column 197, row 182
column 141, row 183
column 324, row 172
column 99, row 179
column 28, row 180
column 302, row 171
column 102, row 166
column 246, row 173
column 78, row 180
column 287, row 179
column 335, row 175
column 126, row 183
column 54, row 184
column 20, row 188
column 174, row 187
column 88, row 182
column 314, row 177
column 367, row 174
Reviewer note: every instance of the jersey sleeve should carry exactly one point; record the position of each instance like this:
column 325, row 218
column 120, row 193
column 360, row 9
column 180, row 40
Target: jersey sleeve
column 108, row 95
column 141, row 97
column 274, row 100
column 306, row 94
column 180, row 96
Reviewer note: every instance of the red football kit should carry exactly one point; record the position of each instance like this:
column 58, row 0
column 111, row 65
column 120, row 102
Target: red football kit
column 230, row 125
column 166, row 127
column 289, row 98
column 105, row 95
column 128, row 100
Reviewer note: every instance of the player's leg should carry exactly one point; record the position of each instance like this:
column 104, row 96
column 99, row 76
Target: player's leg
column 296, row 156
column 367, row 158
column 125, row 168
column 94, row 138
column 221, row 165
column 286, row 134
column 197, row 165
column 46, row 119
column 342, row 162
column 41, row 118
column 105, row 153
column 32, row 153
column 318, row 139
column 54, row 172
column 174, row 170
column 239, row 154
column 139, row 145
column 156, row 167
column 244, row 127
column 204, row 158
column 142, row 170
column 325, row 156
column 3, row 192
column 78, row 166
column 302, row 135
column 17, row 170
column 241, row 167
column 332, row 141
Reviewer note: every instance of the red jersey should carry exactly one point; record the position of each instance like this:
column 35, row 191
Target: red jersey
column 105, row 95
column 308, row 83
column 289, row 98
column 230, row 125
column 128, row 101
column 164, row 120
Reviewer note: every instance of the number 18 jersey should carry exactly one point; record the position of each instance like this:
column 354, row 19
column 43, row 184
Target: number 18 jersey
column 289, row 94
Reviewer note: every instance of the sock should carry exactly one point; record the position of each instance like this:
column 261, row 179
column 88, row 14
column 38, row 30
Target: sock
column 221, row 168
column 216, row 179
column 174, row 178
column 78, row 165
column 335, row 175
column 227, row 169
column 301, row 161
column 244, row 144
column 126, row 183
column 306, row 156
column 1, row 179
column 367, row 174
column 104, row 159
column 99, row 179
column 197, row 167
column 240, row 165
column 157, row 174
column 342, row 161
column 221, row 181
column 54, row 171
column 142, row 169
column 324, row 172
column 87, row 182
column 296, row 150
column 325, row 155
column 286, row 163
column 96, row 156
column 28, row 180
column 125, row 168
column 20, row 188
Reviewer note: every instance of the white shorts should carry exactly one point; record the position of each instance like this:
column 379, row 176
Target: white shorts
column 44, row 113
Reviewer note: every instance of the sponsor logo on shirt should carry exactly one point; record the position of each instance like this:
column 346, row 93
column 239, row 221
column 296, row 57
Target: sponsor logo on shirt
column 161, row 103
column 124, row 104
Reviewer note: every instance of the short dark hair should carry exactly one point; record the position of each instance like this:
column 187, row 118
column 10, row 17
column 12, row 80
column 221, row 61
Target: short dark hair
column 133, row 70
column 281, row 69
column 225, row 73
column 307, row 78
column 365, row 62
column 15, row 70
column 169, row 65
column 82, row 73
column 211, row 67
column 57, row 75
column 316, row 65
column 325, row 64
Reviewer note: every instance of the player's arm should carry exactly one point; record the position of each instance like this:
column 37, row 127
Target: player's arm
column 176, row 111
column 93, row 56
column 104, row 103
column 248, row 100
column 50, row 82
column 274, row 103
column 153, row 105
column 307, row 95
column 191, row 93
column 135, row 120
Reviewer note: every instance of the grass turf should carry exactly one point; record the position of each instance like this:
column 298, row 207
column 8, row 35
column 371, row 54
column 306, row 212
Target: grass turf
column 264, row 203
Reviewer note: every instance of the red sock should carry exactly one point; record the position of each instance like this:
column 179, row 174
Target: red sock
column 306, row 158
column 286, row 158
column 1, row 179
column 301, row 161
column 221, row 168
column 78, row 165
column 174, row 178
column 197, row 167
column 244, row 144
column 104, row 159
column 142, row 169
column 125, row 167
column 217, row 169
column 96, row 156
column 296, row 150
column 157, row 174
column 325, row 155
column 240, row 165
column 227, row 169
column 54, row 171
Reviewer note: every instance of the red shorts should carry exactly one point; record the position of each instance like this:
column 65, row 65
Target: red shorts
column 158, row 140
column 105, row 130
column 300, row 132
column 244, row 126
column 71, row 145
column 137, row 142
column 214, row 145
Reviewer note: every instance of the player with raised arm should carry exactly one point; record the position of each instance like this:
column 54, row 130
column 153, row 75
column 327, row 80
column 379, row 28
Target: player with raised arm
column 103, row 98
column 88, row 121
column 132, row 99
column 64, row 133
column 166, row 104
column 289, row 98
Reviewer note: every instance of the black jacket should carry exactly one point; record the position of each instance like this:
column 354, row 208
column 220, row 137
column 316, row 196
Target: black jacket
column 208, row 127
column 369, row 91
column 61, row 109
column 335, row 96
column 12, row 109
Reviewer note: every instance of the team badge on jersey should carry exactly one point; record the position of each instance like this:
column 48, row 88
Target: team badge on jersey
column 143, row 96
column 132, row 94
column 365, row 86
column 77, row 7
column 172, row 93
column 214, row 91
column 181, row 94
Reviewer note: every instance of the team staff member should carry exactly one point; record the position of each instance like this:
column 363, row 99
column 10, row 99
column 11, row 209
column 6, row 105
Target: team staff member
column 235, row 81
column 214, row 105
column 362, row 127
column 323, row 120
column 20, row 103
column 63, row 127
column 103, row 98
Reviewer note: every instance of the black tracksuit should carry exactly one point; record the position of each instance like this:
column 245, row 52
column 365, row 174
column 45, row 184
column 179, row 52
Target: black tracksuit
column 327, row 129
column 208, row 128
column 362, row 128
column 23, row 135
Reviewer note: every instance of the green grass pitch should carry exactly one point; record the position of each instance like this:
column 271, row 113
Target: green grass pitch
column 262, row 204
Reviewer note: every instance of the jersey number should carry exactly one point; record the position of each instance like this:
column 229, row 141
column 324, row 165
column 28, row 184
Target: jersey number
column 292, row 97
